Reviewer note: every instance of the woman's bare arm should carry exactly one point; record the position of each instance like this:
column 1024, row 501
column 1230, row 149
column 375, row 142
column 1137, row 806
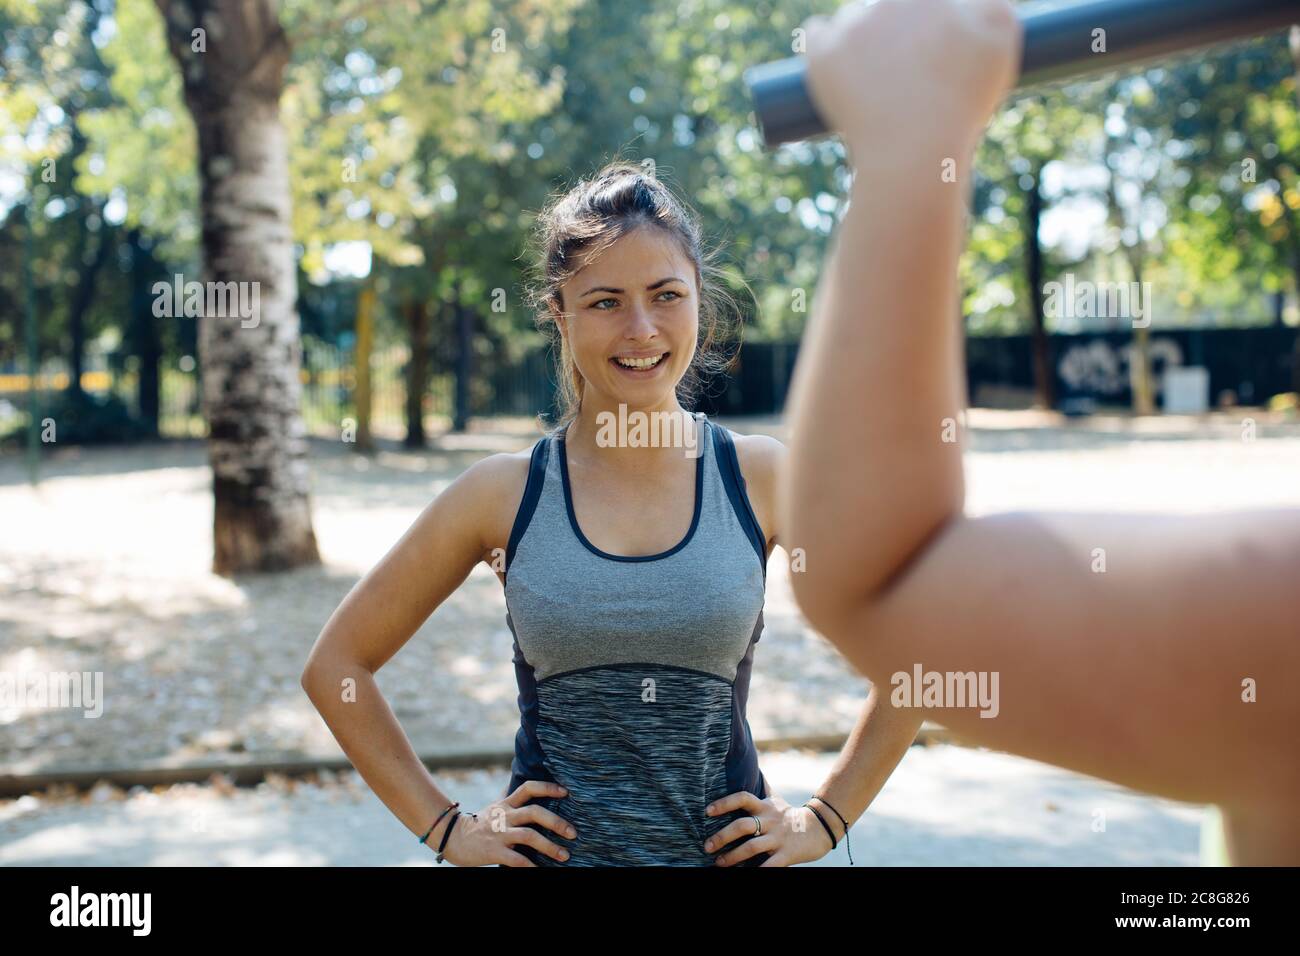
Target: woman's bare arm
column 883, row 733
column 459, row 528
column 1134, row 673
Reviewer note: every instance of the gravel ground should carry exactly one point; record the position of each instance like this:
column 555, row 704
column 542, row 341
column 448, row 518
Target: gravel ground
column 944, row 806
column 105, row 568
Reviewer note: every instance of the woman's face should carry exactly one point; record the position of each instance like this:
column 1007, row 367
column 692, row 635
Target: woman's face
column 631, row 320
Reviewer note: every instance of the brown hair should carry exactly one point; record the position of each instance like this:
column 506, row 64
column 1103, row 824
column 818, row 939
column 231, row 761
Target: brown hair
column 592, row 216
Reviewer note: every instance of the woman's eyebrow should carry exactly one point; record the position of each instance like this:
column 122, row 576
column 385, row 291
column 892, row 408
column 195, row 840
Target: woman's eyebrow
column 652, row 285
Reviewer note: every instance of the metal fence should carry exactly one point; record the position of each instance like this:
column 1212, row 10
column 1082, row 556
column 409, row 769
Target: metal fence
column 1252, row 363
column 328, row 375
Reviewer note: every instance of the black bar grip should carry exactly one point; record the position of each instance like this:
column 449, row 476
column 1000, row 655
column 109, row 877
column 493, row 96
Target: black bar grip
column 1058, row 43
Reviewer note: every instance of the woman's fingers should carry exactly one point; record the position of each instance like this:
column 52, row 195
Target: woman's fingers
column 732, row 832
column 740, row 800
column 538, row 842
column 531, row 789
column 511, row 858
column 533, row 813
column 763, row 844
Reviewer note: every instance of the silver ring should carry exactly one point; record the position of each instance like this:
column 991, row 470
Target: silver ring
column 758, row 825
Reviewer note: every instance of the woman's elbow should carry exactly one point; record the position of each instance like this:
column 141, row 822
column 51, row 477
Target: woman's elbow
column 310, row 679
column 322, row 672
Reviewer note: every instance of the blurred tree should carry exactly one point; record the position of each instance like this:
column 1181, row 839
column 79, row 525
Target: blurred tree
column 51, row 76
column 1238, row 115
column 1140, row 157
column 360, row 92
column 1035, row 131
column 232, row 57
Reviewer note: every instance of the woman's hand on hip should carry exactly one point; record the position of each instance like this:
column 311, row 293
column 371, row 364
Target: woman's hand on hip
column 790, row 834
column 486, row 838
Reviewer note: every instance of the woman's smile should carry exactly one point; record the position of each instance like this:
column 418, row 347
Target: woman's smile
column 640, row 366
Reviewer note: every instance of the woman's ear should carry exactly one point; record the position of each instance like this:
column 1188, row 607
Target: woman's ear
column 561, row 322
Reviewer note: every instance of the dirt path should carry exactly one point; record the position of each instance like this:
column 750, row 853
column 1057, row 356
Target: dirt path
column 104, row 568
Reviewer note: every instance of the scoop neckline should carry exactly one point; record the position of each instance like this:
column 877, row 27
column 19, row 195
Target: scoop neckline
column 695, row 516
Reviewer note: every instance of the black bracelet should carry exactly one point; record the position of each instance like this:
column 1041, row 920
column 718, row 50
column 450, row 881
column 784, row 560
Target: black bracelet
column 848, row 845
column 447, row 835
column 435, row 822
column 829, row 832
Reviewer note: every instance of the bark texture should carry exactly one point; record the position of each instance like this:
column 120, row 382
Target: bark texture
column 233, row 74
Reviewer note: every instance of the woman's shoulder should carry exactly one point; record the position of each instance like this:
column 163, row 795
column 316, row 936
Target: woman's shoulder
column 759, row 455
column 491, row 489
column 761, row 458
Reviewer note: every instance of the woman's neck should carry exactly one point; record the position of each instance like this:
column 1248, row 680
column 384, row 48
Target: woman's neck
column 635, row 439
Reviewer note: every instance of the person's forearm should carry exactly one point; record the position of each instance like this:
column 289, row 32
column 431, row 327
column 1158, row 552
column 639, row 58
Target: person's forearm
column 872, row 752
column 875, row 398
column 369, row 734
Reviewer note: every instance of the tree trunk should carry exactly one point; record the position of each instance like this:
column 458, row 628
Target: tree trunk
column 1044, row 384
column 1144, row 402
column 88, row 272
column 417, row 371
column 1295, row 349
column 363, row 390
column 463, row 316
column 145, row 332
column 250, row 358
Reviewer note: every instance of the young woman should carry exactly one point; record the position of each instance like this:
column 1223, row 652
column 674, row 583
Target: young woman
column 634, row 574
column 1177, row 669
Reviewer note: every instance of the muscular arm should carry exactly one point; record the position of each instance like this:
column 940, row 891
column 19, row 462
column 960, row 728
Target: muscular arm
column 1134, row 674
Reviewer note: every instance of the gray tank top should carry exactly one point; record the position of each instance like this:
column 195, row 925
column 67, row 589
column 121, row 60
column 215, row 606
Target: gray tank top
column 633, row 672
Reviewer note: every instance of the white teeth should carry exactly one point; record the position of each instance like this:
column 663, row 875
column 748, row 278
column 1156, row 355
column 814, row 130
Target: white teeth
column 639, row 362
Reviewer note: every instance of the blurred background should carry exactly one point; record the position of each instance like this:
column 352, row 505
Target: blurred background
column 399, row 152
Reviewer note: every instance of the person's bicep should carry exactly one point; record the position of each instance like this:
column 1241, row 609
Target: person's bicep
column 433, row 558
column 1121, row 644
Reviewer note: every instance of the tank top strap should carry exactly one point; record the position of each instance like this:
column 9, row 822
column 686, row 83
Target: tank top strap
column 727, row 467
column 538, row 466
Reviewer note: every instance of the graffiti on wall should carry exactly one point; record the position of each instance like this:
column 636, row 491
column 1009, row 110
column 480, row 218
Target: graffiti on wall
column 1099, row 368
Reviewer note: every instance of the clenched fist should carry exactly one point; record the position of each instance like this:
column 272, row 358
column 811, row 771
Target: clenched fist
column 912, row 71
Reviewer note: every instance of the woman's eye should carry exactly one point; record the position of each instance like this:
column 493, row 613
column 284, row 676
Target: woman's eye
column 672, row 292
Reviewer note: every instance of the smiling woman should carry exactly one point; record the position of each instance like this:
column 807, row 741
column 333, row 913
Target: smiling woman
column 628, row 220
column 630, row 697
column 634, row 577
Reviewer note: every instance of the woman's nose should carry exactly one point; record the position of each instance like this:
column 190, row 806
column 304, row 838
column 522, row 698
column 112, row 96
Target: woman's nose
column 640, row 325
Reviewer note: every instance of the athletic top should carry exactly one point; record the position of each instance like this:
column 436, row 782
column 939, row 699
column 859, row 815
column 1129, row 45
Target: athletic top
column 633, row 672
